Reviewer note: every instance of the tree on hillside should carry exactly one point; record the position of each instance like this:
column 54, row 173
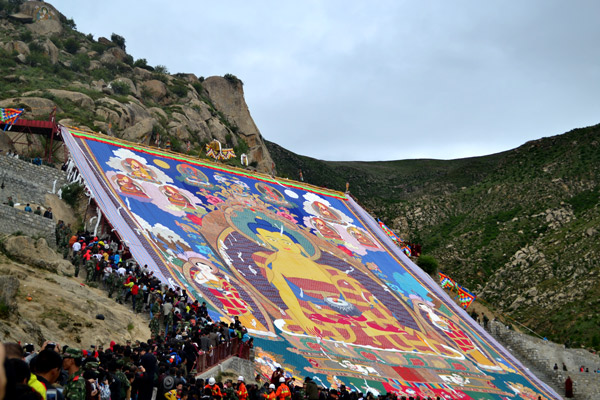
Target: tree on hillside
column 118, row 40
column 428, row 264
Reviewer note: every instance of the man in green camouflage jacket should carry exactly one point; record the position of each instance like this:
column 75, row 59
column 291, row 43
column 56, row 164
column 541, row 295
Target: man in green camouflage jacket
column 75, row 386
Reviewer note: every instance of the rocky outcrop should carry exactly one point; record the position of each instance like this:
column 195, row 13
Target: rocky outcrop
column 228, row 97
column 9, row 287
column 36, row 253
column 156, row 89
column 51, row 51
column 45, row 18
column 18, row 46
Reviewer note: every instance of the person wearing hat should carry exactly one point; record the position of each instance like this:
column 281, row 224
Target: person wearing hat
column 270, row 394
column 311, row 389
column 241, row 392
column 214, row 388
column 75, row 387
column 283, row 391
column 228, row 391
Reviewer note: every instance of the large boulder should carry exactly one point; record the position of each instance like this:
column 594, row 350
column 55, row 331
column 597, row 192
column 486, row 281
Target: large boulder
column 156, row 89
column 46, row 19
column 125, row 81
column 140, row 131
column 81, row 99
column 46, row 28
column 18, row 46
column 36, row 253
column 117, row 53
column 35, row 106
column 51, row 51
column 142, row 74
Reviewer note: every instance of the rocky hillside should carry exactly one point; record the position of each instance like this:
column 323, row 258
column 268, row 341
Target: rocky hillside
column 519, row 228
column 41, row 300
column 45, row 63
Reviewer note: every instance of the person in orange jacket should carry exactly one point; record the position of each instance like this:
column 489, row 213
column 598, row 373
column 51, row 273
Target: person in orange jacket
column 283, row 391
column 270, row 394
column 241, row 392
column 214, row 388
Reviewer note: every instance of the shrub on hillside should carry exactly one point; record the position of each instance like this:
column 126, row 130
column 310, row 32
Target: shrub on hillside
column 143, row 63
column 121, row 88
column 161, row 69
column 71, row 193
column 428, row 264
column 80, row 63
column 118, row 40
column 71, row 45
column 179, row 89
column 234, row 80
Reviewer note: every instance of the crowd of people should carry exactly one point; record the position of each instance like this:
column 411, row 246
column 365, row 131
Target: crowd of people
column 156, row 369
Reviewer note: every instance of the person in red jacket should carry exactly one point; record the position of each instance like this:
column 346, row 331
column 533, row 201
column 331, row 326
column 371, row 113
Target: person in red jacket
column 135, row 289
column 241, row 392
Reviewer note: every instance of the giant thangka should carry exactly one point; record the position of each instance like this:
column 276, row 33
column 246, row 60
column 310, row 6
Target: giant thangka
column 322, row 289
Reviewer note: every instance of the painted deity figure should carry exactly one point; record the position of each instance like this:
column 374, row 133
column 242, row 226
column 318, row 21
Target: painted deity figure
column 193, row 176
column 128, row 186
column 326, row 212
column 269, row 193
column 325, row 229
column 325, row 302
column 207, row 276
column 139, row 170
column 175, row 197
column 361, row 237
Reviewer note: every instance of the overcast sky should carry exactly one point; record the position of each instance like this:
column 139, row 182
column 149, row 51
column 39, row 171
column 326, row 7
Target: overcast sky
column 379, row 80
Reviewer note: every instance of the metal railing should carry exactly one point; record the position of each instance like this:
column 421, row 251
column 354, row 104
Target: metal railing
column 216, row 355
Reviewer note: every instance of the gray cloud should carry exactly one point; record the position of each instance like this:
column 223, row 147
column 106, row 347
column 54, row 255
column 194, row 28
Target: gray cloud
column 380, row 80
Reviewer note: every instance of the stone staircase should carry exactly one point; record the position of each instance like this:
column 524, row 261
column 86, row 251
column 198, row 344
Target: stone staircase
column 26, row 182
column 540, row 356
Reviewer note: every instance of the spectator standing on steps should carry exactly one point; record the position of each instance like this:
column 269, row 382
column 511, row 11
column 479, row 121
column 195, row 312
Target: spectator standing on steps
column 48, row 213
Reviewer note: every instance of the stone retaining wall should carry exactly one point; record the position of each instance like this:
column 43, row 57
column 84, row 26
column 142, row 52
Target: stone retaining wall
column 13, row 220
column 26, row 182
column 543, row 354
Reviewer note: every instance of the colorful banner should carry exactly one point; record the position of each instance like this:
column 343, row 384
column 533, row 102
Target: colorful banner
column 465, row 297
column 9, row 116
column 322, row 290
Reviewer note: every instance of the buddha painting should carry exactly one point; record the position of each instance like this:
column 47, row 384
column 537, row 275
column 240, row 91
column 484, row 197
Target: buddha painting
column 320, row 300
